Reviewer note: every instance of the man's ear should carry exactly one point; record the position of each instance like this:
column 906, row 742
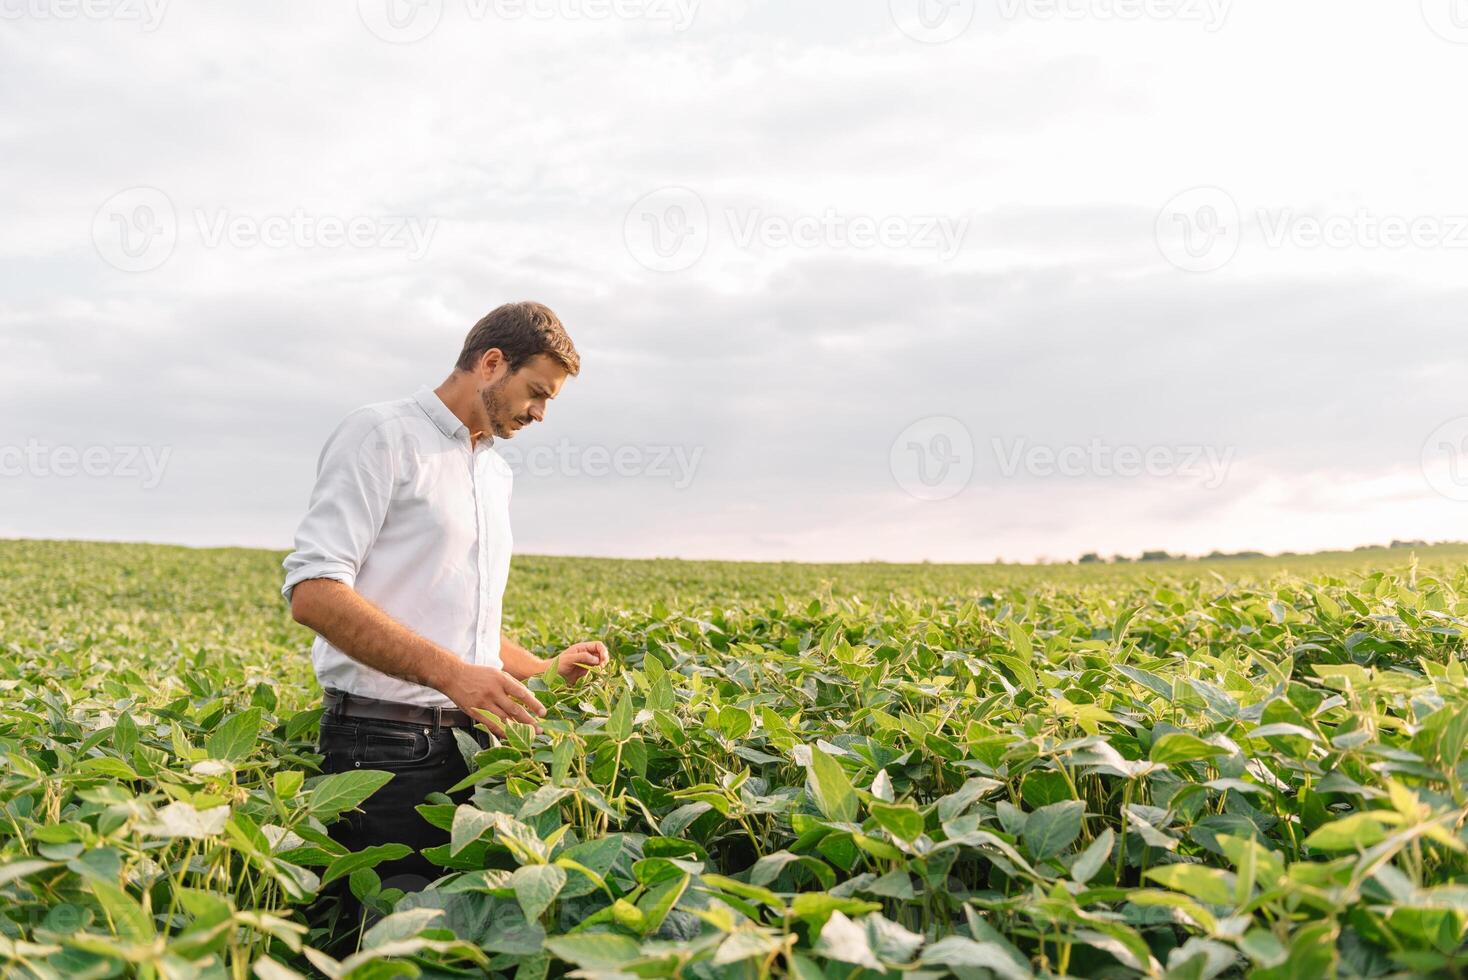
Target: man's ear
column 492, row 366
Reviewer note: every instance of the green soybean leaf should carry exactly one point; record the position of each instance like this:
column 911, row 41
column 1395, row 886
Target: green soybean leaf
column 594, row 950
column 1208, row 885
column 337, row 793
column 233, row 739
column 399, row 926
column 1182, row 747
column 1356, row 832
column 1051, row 829
column 180, row 819
column 960, row 953
column 287, row 783
column 903, row 821
column 831, row 788
column 619, row 724
column 659, row 901
column 125, row 734
column 128, row 919
column 106, row 766
column 844, row 940
column 1020, row 642
column 536, row 886
column 1157, row 685
column 368, row 857
column 734, row 722
column 1093, row 858
column 16, row 870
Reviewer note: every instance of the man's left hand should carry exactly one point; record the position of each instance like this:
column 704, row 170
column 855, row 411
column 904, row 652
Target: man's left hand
column 575, row 661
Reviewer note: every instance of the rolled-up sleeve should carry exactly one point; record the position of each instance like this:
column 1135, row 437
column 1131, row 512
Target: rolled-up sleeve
column 354, row 480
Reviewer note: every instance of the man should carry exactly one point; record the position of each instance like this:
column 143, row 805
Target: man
column 400, row 567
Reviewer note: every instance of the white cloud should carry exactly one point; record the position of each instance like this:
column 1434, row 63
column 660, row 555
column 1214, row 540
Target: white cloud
column 523, row 141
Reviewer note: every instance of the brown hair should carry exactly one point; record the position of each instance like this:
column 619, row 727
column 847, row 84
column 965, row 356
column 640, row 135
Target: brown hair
column 520, row 331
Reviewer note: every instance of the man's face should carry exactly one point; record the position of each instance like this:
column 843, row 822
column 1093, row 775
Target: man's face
column 511, row 401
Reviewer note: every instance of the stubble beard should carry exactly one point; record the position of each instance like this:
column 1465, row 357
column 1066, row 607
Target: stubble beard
column 494, row 409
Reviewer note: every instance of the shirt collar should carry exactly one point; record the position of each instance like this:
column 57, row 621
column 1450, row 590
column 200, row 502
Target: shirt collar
column 433, row 406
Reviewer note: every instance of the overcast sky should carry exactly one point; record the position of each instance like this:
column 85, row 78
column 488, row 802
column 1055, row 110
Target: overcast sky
column 851, row 279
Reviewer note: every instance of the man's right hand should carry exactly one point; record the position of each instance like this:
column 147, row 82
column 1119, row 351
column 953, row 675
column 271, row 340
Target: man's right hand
column 481, row 691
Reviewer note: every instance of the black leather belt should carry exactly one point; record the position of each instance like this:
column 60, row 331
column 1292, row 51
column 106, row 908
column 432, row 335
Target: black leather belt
column 344, row 705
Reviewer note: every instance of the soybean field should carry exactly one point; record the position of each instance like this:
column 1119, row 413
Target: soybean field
column 1183, row 769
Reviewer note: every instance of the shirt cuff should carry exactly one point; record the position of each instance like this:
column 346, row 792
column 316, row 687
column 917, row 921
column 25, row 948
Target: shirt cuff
column 335, row 570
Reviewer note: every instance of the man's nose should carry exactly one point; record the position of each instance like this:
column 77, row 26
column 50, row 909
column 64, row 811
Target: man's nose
column 537, row 412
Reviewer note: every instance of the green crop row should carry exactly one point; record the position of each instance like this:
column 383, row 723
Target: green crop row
column 1195, row 770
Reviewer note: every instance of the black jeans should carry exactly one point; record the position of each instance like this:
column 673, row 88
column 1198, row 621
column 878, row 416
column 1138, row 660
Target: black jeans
column 422, row 761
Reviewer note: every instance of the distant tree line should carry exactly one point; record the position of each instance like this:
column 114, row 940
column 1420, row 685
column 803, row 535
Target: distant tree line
column 1094, row 558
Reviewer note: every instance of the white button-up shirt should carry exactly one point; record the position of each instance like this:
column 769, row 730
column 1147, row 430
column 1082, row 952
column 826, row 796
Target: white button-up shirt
column 418, row 522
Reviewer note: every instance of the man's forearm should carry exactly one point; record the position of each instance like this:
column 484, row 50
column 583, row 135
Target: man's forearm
column 518, row 661
column 370, row 636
